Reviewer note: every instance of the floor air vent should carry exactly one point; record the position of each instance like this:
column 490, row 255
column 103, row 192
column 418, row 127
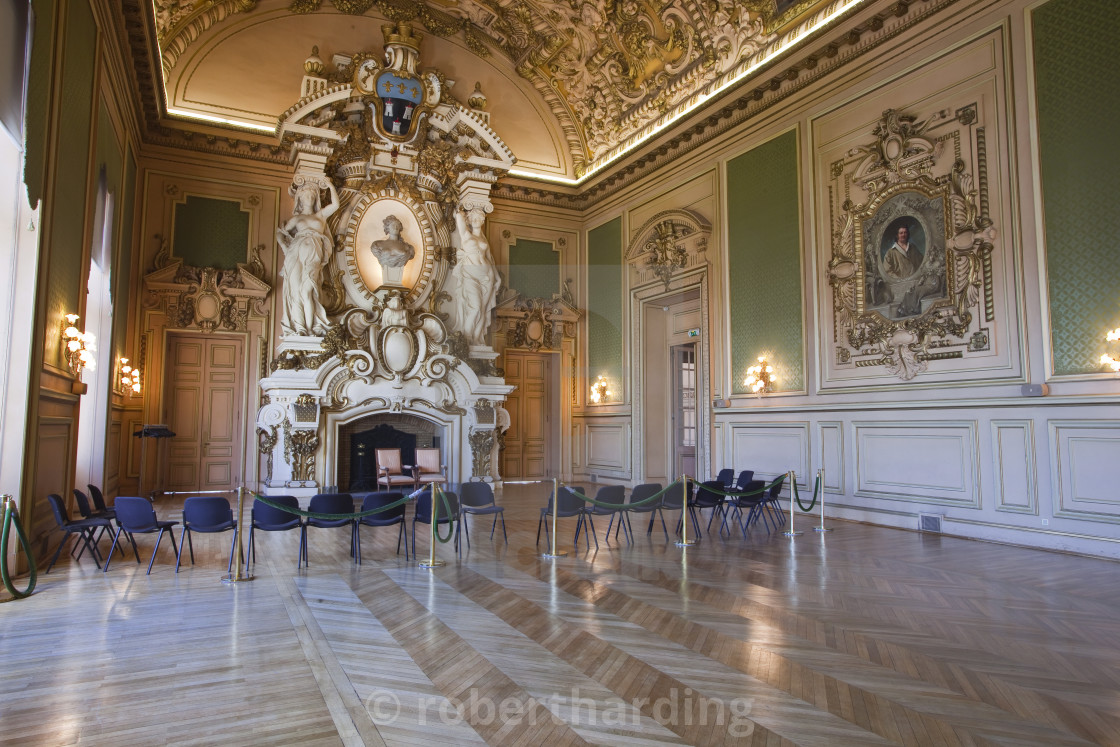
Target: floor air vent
column 929, row 523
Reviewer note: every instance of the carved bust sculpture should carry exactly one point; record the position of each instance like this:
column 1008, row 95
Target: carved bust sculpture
column 392, row 252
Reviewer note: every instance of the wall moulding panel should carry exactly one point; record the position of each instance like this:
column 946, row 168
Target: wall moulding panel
column 928, row 152
column 608, row 446
column 830, row 436
column 1083, row 454
column 917, row 461
column 771, row 449
column 1013, row 446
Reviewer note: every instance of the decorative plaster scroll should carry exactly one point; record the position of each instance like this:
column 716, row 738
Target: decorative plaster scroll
column 670, row 241
column 266, row 443
column 911, row 270
column 482, row 442
column 538, row 323
column 207, row 298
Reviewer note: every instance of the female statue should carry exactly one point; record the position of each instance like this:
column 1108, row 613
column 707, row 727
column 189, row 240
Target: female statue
column 478, row 280
column 306, row 242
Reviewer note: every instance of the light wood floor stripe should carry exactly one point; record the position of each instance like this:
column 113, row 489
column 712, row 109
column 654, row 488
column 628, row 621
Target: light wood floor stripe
column 862, row 636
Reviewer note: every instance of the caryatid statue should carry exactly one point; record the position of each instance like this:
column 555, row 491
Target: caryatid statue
column 478, row 281
column 307, row 245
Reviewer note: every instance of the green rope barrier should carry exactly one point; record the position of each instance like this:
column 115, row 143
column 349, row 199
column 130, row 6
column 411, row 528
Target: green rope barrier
column 583, row 496
column 357, row 515
column 435, row 517
column 816, row 493
column 336, row 517
column 11, row 517
column 676, row 486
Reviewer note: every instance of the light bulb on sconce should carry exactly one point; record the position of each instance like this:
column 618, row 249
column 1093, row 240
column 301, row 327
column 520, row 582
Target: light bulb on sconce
column 760, row 379
column 600, row 391
column 1106, row 359
column 79, row 345
column 130, row 378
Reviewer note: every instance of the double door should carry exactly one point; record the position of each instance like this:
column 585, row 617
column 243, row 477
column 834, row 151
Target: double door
column 527, row 454
column 204, row 397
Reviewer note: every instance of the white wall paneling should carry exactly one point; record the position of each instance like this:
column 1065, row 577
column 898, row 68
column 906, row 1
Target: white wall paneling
column 608, row 446
column 771, row 449
column 1013, row 450
column 1083, row 454
column 917, row 461
column 830, row 436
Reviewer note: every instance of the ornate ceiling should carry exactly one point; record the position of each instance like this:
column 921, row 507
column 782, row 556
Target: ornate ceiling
column 571, row 85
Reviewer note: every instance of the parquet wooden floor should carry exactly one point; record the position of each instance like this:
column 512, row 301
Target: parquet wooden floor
column 862, row 636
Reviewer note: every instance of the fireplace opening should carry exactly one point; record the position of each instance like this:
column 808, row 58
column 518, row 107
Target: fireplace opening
column 359, row 441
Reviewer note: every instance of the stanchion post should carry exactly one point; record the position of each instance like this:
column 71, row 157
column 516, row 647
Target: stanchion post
column 437, row 495
column 792, row 507
column 239, row 568
column 555, row 551
column 684, row 540
column 820, row 476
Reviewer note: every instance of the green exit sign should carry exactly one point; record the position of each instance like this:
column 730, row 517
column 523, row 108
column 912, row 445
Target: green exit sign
column 694, row 332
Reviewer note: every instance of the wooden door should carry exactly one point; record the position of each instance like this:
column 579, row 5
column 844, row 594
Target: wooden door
column 527, row 455
column 204, row 399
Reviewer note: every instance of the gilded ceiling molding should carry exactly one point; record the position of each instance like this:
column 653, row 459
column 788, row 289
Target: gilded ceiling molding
column 180, row 22
column 847, row 44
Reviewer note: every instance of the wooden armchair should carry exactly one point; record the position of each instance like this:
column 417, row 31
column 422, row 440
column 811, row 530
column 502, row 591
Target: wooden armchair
column 428, row 468
column 390, row 472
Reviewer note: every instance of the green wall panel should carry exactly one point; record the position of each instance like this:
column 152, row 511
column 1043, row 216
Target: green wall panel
column 123, row 267
column 38, row 99
column 534, row 269
column 1075, row 44
column 764, row 262
column 604, row 303
column 211, row 232
column 69, row 197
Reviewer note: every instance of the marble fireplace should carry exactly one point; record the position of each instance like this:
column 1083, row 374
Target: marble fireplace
column 389, row 287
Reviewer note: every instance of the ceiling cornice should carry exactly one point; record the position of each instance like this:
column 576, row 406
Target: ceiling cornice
column 781, row 79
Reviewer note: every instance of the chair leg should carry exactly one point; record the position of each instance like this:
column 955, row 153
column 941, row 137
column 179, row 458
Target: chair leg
column 190, row 542
column 251, row 553
column 467, row 529
column 590, row 530
column 58, row 550
column 156, row 549
column 494, row 526
column 539, row 522
column 112, row 547
column 303, row 547
column 356, row 542
column 504, row 535
column 186, row 536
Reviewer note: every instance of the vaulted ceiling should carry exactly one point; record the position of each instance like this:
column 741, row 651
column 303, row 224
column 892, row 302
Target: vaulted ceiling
column 571, row 85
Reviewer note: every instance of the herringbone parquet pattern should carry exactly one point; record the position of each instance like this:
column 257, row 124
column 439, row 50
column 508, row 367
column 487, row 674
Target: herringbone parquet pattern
column 863, row 636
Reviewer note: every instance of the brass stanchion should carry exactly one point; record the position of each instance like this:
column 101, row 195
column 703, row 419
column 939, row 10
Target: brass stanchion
column 433, row 561
column 792, row 507
column 239, row 574
column 555, row 552
column 820, row 477
column 684, row 541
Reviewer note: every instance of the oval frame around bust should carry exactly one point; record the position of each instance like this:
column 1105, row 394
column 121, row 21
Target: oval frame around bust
column 362, row 274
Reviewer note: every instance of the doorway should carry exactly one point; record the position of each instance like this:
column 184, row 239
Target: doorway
column 528, row 442
column 683, row 365
column 669, row 417
column 205, row 395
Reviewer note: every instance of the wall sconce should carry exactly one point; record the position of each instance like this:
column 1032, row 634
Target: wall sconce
column 600, row 391
column 79, row 346
column 1106, row 359
column 130, row 378
column 760, row 379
